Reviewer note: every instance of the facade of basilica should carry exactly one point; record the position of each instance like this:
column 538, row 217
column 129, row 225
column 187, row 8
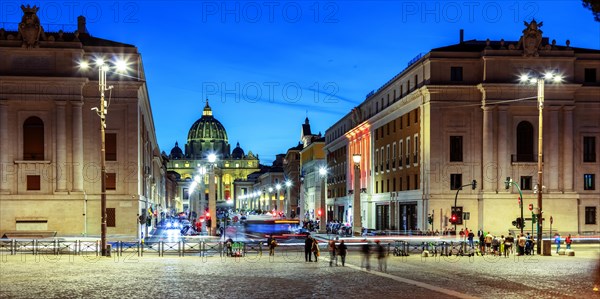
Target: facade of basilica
column 208, row 136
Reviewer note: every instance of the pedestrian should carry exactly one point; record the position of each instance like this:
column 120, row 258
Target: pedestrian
column 521, row 243
column 508, row 242
column 307, row 249
column 272, row 245
column 568, row 241
column 557, row 241
column 332, row 253
column 481, row 243
column 366, row 255
column 229, row 246
column 488, row 242
column 470, row 237
column 381, row 257
column 342, row 251
column 315, row 249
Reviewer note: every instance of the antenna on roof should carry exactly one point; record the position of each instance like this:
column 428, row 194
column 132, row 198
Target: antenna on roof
column 462, row 36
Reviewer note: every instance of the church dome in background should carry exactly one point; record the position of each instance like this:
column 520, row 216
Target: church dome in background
column 238, row 152
column 207, row 128
column 176, row 152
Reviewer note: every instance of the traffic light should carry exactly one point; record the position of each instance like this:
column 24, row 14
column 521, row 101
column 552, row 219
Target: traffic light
column 430, row 219
column 507, row 183
column 456, row 215
column 474, row 184
column 453, row 218
column 531, row 207
column 319, row 212
column 518, row 223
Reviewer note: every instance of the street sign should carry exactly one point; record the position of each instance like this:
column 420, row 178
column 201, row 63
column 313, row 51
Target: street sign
column 466, row 215
column 551, row 220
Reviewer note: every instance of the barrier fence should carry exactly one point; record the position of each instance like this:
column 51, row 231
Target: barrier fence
column 206, row 249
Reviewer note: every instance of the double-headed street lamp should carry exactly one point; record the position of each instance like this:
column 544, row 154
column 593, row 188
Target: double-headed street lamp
column 540, row 80
column 356, row 218
column 118, row 66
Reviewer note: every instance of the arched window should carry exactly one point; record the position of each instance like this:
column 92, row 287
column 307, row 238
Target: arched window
column 33, row 139
column 525, row 142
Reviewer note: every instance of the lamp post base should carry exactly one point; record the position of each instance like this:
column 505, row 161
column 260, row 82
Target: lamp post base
column 357, row 231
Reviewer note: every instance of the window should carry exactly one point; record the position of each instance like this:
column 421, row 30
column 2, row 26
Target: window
column 400, row 122
column 589, row 149
column 416, row 149
column 400, row 183
column 376, row 187
column 111, row 146
column 416, row 116
column 526, row 182
column 400, row 154
column 33, row 182
column 589, row 182
column 186, row 193
column 416, row 81
column 394, row 182
column 388, row 185
column 376, row 160
column 394, row 156
column 589, row 75
column 590, row 215
column 524, row 142
column 456, row 148
column 33, row 139
column 408, row 119
column 408, row 86
column 387, row 161
column 456, row 73
column 416, row 181
column 111, row 217
column 455, row 181
column 407, row 183
column 407, row 152
column 111, row 181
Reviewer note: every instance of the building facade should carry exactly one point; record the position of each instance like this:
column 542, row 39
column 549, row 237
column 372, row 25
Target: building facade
column 461, row 113
column 50, row 137
column 312, row 191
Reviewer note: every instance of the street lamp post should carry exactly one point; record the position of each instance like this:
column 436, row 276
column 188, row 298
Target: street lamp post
column 278, row 202
column 356, row 218
column 288, row 200
column 103, row 69
column 212, row 199
column 540, row 81
column 323, row 200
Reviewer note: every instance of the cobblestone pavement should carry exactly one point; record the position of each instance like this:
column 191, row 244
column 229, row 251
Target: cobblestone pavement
column 287, row 276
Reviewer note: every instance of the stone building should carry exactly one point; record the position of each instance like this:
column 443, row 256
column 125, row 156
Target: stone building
column 461, row 113
column 50, row 138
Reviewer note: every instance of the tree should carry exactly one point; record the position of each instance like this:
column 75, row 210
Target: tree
column 594, row 6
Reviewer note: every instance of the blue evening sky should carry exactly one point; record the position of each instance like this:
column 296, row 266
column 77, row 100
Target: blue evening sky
column 266, row 65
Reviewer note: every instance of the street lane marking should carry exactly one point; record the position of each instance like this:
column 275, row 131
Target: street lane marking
column 412, row 282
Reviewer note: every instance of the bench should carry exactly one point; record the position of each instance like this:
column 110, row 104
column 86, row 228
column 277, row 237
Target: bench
column 28, row 234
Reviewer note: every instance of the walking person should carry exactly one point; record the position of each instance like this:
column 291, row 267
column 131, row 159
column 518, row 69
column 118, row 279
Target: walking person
column 568, row 241
column 315, row 249
column 332, row 253
column 342, row 251
column 272, row 246
column 470, row 237
column 557, row 241
column 508, row 243
column 366, row 256
column 307, row 249
column 381, row 257
column 521, row 243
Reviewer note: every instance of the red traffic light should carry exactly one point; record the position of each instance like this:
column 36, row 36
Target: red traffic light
column 531, row 207
column 519, row 200
column 319, row 212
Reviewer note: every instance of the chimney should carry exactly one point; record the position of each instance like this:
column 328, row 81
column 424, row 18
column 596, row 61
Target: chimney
column 81, row 28
column 462, row 36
